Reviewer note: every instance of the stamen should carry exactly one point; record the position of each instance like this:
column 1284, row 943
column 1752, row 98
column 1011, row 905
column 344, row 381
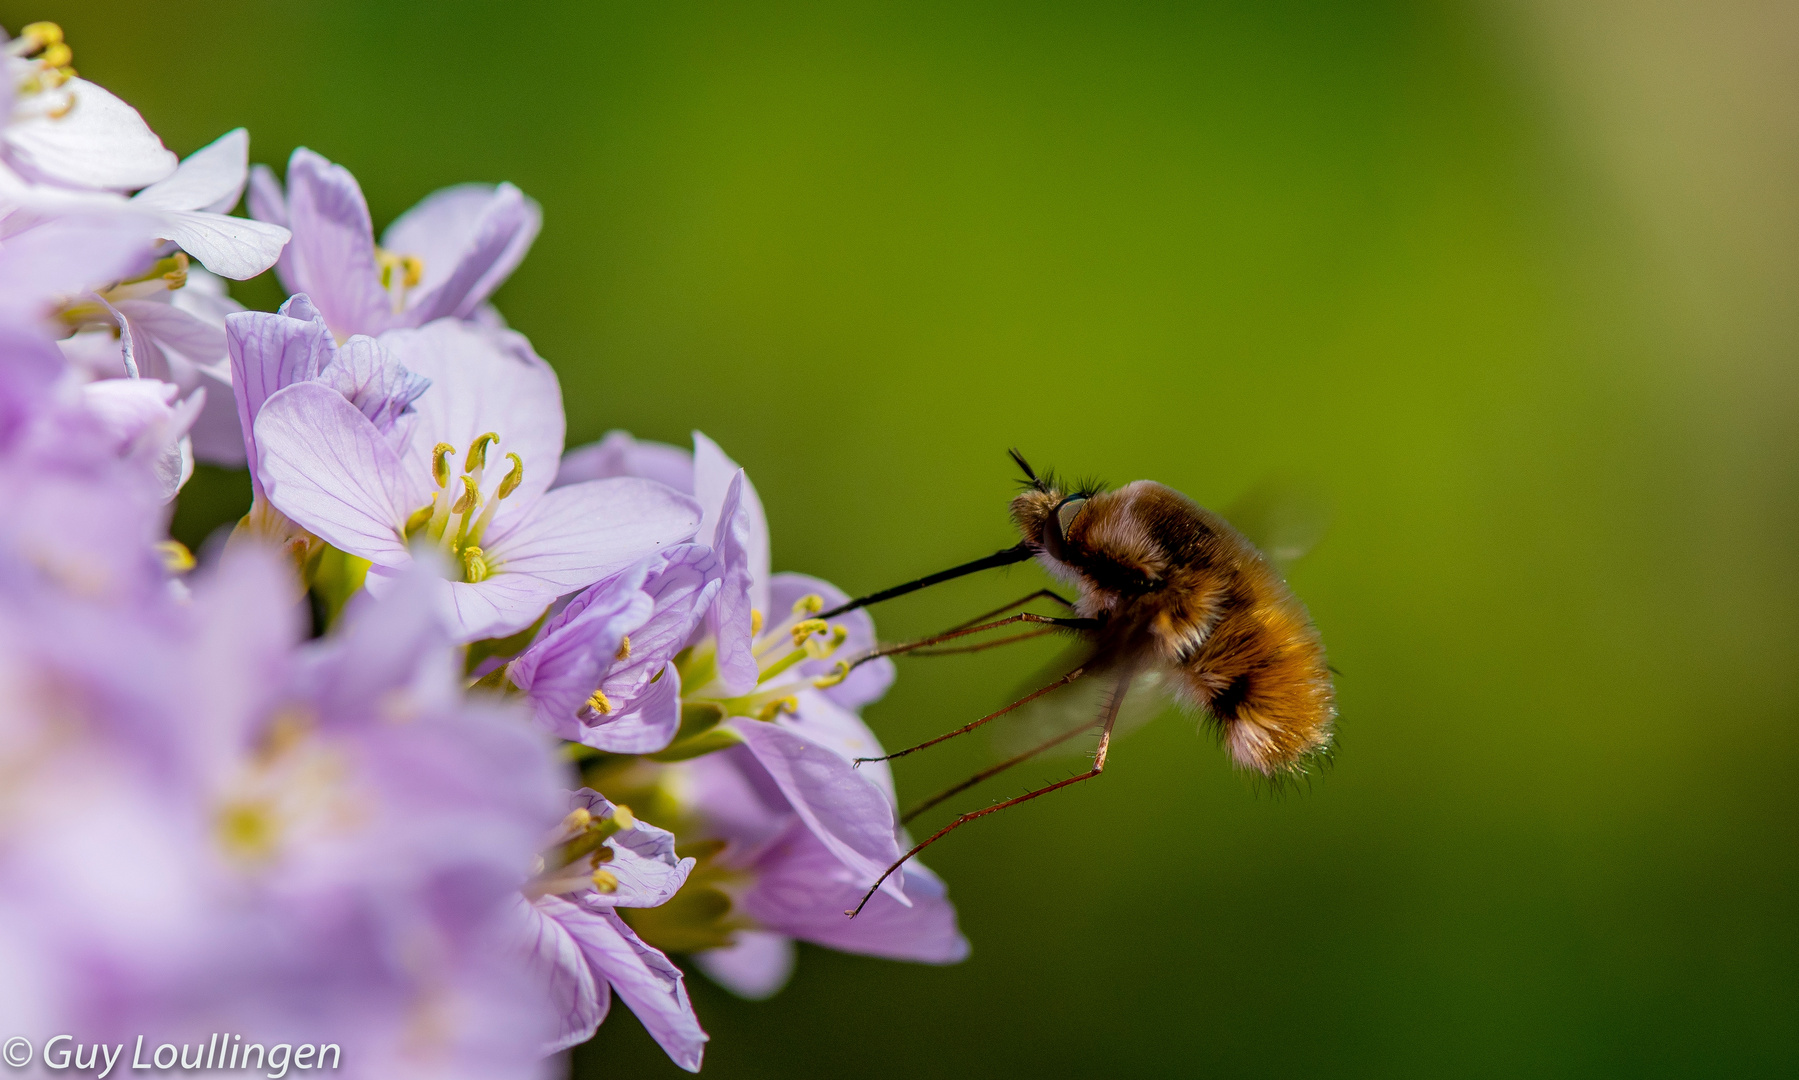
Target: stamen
column 440, row 463
column 577, row 819
column 809, row 604
column 818, row 650
column 600, row 703
column 624, row 648
column 513, row 479
column 467, row 500
column 605, row 881
column 839, row 672
column 622, row 816
column 412, row 271
column 806, row 628
column 474, row 565
column 477, row 452
column 176, row 558
column 788, row 705
column 420, row 517
column 39, row 35
column 755, row 621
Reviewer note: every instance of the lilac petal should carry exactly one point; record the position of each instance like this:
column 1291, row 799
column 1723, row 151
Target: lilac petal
column 712, row 479
column 99, row 143
column 572, row 654
column 189, row 334
column 682, row 582
column 867, row 682
column 646, row 980
column 469, row 241
column 822, row 722
column 489, row 381
column 802, row 889
column 578, row 534
column 755, row 966
column 333, row 251
column 501, row 605
column 40, row 266
column 649, row 872
column 269, row 352
column 732, row 618
column 324, row 465
column 267, row 202
column 648, row 725
column 848, row 812
column 217, row 437
column 233, row 247
column 618, row 454
column 738, row 801
column 578, row 999
column 377, row 384
column 211, row 178
column 396, row 643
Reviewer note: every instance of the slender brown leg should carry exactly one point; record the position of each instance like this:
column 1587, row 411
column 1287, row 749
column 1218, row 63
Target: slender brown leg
column 983, row 646
column 951, row 635
column 1047, row 594
column 995, row 771
column 1109, row 716
column 966, row 728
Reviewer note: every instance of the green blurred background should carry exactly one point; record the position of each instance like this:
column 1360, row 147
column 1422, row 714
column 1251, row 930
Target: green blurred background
column 1513, row 282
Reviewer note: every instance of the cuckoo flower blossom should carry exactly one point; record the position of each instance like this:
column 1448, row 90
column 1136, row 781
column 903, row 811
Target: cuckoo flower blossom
column 763, row 762
column 470, row 478
column 441, row 259
column 190, row 208
column 601, row 858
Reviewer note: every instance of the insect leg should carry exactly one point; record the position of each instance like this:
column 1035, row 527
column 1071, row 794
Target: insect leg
column 1108, row 716
column 1047, row 594
column 966, row 728
column 995, row 770
column 951, row 635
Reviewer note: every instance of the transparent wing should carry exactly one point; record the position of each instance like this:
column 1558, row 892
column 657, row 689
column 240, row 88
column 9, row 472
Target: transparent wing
column 1282, row 516
column 1077, row 706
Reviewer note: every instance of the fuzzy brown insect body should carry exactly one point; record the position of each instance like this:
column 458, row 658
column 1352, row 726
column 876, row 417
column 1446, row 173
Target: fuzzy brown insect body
column 1172, row 585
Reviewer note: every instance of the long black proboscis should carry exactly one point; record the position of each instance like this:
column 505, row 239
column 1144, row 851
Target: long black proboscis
column 998, row 558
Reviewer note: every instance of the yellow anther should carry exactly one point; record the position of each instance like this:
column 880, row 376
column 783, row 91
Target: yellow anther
column 63, row 110
column 419, row 518
column 605, row 881
column 577, row 819
column 755, row 622
column 601, row 854
column 818, row 649
column 247, row 829
column 474, row 565
column 440, row 463
column 809, row 604
column 469, row 497
column 513, row 479
column 624, row 648
column 477, row 451
column 599, row 702
column 805, row 628
column 412, row 270
column 176, row 274
column 176, row 558
column 39, row 35
column 788, row 705
column 56, row 55
column 623, row 818
column 839, row 672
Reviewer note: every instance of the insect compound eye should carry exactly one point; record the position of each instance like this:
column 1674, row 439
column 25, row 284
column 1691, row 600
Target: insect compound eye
column 1065, row 515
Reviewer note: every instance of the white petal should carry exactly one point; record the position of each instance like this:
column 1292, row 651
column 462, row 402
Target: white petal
column 101, row 142
column 210, row 178
column 576, row 535
column 233, row 247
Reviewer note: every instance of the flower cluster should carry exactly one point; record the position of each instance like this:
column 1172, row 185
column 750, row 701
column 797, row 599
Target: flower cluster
column 455, row 736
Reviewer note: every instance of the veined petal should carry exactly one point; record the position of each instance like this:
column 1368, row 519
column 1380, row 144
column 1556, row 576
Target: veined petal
column 712, row 476
column 682, row 582
column 333, row 253
column 192, row 336
column 576, row 535
column 324, row 465
column 487, row 380
column 649, row 872
column 646, row 725
column 267, row 202
column 731, row 618
column 823, row 722
column 578, row 999
column 233, row 247
column 100, row 142
column 868, row 681
column 210, row 178
column 572, row 654
column 470, row 238
column 43, row 264
column 848, row 812
column 269, row 352
column 646, row 980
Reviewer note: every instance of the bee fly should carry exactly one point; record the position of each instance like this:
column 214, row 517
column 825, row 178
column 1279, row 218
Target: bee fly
column 1165, row 590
